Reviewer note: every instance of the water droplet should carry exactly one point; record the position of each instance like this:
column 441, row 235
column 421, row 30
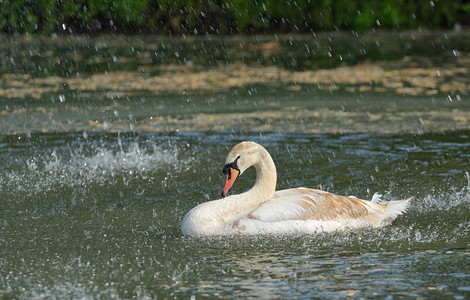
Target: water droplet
column 456, row 52
column 438, row 73
column 62, row 98
column 64, row 26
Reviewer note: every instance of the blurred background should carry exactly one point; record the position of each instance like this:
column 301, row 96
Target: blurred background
column 227, row 17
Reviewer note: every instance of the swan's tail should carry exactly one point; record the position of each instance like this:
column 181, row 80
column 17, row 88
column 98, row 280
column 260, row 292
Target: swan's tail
column 393, row 210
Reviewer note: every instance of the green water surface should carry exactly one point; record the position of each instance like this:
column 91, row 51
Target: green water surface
column 91, row 211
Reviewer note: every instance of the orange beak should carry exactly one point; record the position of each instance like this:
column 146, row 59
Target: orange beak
column 232, row 175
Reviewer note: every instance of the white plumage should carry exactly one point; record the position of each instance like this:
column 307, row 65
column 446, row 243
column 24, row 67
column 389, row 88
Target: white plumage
column 261, row 210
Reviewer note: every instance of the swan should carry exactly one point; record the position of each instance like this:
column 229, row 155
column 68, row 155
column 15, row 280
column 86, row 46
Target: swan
column 262, row 210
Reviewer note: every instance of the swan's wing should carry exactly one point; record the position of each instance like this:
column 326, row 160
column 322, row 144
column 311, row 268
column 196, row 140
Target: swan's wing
column 310, row 204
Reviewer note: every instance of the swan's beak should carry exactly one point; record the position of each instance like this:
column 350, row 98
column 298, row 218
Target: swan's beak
column 232, row 175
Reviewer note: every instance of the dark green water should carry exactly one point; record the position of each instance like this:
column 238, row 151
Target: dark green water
column 92, row 211
column 100, row 216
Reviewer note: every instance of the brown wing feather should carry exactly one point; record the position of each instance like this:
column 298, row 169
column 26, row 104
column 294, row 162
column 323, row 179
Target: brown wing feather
column 326, row 206
column 310, row 204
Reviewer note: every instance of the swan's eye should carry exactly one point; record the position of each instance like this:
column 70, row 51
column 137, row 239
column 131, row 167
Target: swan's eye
column 232, row 165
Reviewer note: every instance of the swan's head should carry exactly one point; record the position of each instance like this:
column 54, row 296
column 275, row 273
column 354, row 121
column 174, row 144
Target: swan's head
column 241, row 157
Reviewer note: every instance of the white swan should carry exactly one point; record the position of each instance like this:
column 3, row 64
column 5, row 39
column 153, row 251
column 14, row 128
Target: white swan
column 261, row 210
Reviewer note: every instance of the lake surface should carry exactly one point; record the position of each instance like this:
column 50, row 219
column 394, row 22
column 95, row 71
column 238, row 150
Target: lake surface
column 96, row 175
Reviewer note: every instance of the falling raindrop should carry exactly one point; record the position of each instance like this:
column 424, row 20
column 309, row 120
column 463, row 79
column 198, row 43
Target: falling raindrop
column 62, row 98
column 308, row 49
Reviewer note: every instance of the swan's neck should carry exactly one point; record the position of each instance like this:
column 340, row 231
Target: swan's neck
column 266, row 177
column 262, row 190
column 207, row 217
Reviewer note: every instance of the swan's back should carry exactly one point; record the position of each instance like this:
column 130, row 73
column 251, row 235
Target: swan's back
column 308, row 210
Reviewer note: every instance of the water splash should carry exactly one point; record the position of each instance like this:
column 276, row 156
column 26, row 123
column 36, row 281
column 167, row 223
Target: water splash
column 446, row 201
column 83, row 167
column 108, row 163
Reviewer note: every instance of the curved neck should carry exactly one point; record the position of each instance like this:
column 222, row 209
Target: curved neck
column 209, row 216
column 262, row 190
column 266, row 178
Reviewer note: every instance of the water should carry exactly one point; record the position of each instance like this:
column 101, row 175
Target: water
column 94, row 185
column 100, row 216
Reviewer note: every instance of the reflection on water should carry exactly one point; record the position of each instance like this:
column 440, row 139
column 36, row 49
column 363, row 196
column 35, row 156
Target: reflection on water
column 326, row 275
